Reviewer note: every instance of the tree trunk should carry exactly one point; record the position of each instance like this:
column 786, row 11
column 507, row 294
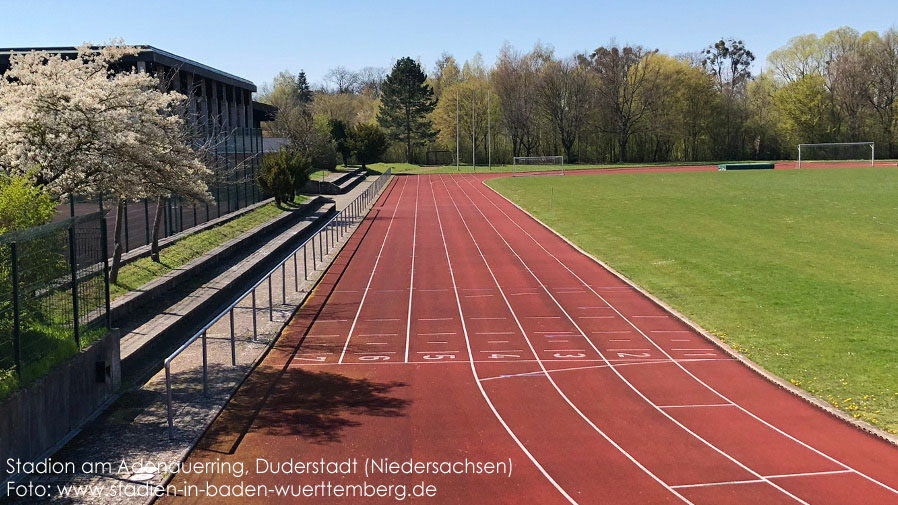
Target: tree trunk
column 622, row 144
column 157, row 224
column 117, row 240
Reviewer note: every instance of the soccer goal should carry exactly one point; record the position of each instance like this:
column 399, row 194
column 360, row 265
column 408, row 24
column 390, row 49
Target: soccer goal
column 543, row 165
column 837, row 154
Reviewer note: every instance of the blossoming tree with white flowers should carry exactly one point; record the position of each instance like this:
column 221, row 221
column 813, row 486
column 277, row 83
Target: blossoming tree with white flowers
column 80, row 125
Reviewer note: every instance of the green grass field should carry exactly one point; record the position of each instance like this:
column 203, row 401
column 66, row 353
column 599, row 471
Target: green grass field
column 795, row 269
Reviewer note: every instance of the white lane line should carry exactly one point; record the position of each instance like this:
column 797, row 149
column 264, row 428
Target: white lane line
column 670, row 331
column 625, row 350
column 543, row 317
column 411, row 282
column 617, row 372
column 377, row 352
column 688, row 372
column 437, row 333
column 474, row 369
column 495, row 333
column 321, row 336
column 681, row 340
column 371, row 277
column 440, row 351
column 615, row 362
column 618, row 339
column 436, row 319
column 382, row 319
column 502, row 350
column 497, row 341
column 727, row 483
column 477, row 296
column 608, row 332
column 695, row 406
column 684, row 349
column 487, row 318
column 807, row 474
column 433, row 290
column 437, row 342
column 376, row 343
column 377, row 335
column 737, row 482
column 331, row 320
column 700, row 354
column 543, row 367
column 651, row 316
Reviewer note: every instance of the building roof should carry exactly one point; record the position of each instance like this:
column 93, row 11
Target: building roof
column 149, row 54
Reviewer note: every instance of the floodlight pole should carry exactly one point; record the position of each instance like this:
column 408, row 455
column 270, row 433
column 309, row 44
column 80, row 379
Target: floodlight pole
column 456, row 130
column 489, row 131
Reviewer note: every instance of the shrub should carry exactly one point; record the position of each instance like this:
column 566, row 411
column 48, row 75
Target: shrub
column 23, row 205
column 368, row 142
column 283, row 173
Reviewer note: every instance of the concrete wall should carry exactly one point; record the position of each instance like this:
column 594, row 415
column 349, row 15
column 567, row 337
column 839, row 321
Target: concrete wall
column 39, row 417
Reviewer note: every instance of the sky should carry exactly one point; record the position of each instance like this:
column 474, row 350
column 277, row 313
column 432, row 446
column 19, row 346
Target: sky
column 257, row 39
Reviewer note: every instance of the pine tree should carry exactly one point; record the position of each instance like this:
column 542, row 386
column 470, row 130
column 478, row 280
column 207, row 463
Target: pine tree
column 303, row 90
column 407, row 101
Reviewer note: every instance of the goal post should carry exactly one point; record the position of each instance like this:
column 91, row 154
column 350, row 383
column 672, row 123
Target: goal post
column 543, row 164
column 837, row 154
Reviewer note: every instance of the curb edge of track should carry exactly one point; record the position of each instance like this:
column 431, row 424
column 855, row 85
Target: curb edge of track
column 769, row 376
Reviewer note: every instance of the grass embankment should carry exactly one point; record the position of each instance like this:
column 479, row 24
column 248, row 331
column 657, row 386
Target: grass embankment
column 144, row 270
column 795, row 269
column 58, row 343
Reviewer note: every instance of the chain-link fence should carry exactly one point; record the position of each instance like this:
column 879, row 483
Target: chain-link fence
column 54, row 295
column 235, row 162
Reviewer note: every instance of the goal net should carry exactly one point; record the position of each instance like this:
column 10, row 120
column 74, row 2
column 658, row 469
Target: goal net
column 837, row 154
column 538, row 165
column 438, row 157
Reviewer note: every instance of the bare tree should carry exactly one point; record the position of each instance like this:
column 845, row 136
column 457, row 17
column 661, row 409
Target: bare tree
column 882, row 90
column 564, row 94
column 516, row 82
column 342, row 80
column 626, row 90
column 371, row 80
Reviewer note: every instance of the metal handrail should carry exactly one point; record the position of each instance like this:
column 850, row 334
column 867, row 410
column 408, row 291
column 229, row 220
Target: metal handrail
column 328, row 236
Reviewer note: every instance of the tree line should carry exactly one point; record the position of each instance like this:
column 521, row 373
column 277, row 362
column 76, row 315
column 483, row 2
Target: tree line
column 618, row 103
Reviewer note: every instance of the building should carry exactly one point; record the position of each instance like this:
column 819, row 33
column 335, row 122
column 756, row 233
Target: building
column 220, row 101
column 221, row 105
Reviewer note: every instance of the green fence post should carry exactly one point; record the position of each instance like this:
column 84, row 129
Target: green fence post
column 74, row 269
column 105, row 252
column 16, row 320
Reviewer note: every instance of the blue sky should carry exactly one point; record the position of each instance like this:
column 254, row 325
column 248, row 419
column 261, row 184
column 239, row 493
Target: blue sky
column 256, row 39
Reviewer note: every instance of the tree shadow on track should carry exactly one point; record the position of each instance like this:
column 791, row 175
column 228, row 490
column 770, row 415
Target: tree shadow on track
column 325, row 404
column 317, row 406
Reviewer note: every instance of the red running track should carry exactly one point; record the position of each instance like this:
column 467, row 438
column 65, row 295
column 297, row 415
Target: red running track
column 455, row 326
